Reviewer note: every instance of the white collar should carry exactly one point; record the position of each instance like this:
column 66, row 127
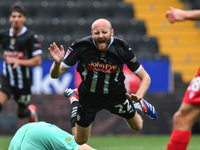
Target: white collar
column 24, row 29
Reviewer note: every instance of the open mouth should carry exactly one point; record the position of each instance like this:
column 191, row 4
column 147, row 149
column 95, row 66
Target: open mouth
column 15, row 24
column 102, row 42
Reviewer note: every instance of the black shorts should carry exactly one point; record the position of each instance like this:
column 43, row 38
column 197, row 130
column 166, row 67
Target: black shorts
column 21, row 96
column 90, row 104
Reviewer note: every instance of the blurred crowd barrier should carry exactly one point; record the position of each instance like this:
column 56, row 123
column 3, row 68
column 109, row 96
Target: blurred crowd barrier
column 55, row 109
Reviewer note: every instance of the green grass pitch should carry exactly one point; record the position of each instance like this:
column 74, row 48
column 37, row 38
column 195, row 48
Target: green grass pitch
column 135, row 142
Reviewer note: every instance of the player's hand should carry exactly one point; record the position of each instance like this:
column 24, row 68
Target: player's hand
column 133, row 97
column 175, row 14
column 56, row 53
column 14, row 61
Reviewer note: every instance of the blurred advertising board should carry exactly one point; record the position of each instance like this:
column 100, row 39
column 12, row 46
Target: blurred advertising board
column 159, row 71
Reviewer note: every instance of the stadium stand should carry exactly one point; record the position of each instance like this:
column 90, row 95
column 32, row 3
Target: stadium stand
column 195, row 4
column 63, row 21
column 181, row 42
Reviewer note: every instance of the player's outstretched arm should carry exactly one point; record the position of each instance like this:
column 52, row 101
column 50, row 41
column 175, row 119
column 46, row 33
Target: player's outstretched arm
column 174, row 15
column 57, row 54
column 144, row 85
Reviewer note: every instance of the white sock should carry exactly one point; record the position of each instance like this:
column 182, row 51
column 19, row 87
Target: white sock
column 73, row 99
column 138, row 108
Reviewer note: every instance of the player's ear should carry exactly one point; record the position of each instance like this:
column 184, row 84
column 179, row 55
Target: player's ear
column 92, row 34
column 24, row 18
column 112, row 32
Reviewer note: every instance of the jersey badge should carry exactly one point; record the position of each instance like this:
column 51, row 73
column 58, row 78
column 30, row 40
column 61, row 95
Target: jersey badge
column 68, row 139
column 12, row 43
column 78, row 117
column 67, row 53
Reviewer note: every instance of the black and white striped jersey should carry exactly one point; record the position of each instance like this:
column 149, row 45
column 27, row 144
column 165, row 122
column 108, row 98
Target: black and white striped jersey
column 101, row 71
column 21, row 46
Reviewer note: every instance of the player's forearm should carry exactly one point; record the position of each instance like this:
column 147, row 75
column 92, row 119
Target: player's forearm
column 192, row 15
column 55, row 70
column 35, row 61
column 144, row 86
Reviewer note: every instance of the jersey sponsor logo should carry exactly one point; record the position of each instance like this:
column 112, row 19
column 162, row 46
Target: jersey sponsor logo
column 14, row 54
column 102, row 67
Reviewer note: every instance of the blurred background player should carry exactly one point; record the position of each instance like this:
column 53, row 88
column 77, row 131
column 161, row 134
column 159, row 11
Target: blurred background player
column 44, row 136
column 21, row 52
column 189, row 110
column 101, row 57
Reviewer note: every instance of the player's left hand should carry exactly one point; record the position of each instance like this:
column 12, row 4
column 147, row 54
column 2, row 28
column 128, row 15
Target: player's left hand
column 175, row 14
column 133, row 97
column 14, row 61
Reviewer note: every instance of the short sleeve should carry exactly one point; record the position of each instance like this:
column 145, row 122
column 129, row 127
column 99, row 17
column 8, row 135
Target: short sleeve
column 131, row 60
column 35, row 45
column 71, row 56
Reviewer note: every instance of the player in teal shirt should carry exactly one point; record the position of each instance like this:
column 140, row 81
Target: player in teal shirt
column 44, row 136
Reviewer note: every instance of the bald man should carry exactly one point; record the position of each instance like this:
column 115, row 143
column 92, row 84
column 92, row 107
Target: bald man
column 101, row 58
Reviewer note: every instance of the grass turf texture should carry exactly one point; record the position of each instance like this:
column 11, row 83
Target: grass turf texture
column 135, row 142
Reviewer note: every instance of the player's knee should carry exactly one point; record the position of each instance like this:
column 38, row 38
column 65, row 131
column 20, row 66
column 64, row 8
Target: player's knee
column 135, row 123
column 137, row 127
column 177, row 118
column 81, row 141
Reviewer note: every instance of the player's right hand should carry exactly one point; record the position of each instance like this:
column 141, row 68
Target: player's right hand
column 56, row 53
